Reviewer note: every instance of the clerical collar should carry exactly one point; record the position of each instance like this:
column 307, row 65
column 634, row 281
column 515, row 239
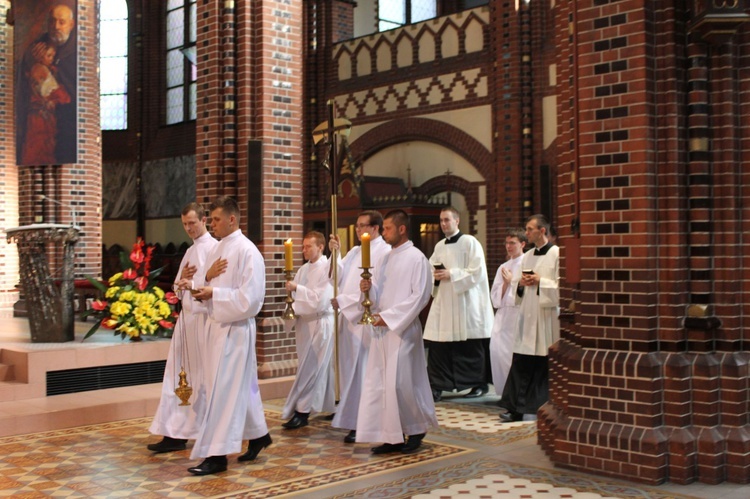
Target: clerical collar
column 544, row 249
column 454, row 238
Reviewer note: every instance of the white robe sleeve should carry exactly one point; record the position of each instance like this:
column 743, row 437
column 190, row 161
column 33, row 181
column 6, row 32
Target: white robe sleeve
column 350, row 300
column 314, row 296
column 497, row 288
column 474, row 273
column 402, row 315
column 244, row 301
column 549, row 279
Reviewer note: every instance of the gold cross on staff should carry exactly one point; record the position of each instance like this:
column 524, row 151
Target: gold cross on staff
column 328, row 131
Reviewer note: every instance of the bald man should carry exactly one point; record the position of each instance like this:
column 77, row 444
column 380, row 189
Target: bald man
column 60, row 34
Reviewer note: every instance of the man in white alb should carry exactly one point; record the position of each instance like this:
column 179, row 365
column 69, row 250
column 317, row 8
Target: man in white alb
column 504, row 330
column 353, row 345
column 396, row 398
column 178, row 423
column 459, row 324
column 536, row 286
column 233, row 294
column 313, row 388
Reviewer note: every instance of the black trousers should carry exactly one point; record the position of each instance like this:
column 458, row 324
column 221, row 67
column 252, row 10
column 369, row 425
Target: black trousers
column 527, row 388
column 457, row 365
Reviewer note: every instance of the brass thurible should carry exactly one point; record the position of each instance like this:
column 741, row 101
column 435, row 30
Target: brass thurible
column 367, row 317
column 289, row 314
column 183, row 390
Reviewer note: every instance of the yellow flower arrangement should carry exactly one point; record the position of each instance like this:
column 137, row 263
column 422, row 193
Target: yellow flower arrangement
column 134, row 306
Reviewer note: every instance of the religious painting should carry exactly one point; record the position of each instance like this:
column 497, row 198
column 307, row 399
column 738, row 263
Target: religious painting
column 46, row 91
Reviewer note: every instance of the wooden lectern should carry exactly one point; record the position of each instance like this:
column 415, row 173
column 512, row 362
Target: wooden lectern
column 50, row 309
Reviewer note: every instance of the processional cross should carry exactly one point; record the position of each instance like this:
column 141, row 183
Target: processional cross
column 328, row 131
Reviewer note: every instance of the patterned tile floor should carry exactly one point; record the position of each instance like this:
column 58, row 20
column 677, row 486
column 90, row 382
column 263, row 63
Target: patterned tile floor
column 472, row 455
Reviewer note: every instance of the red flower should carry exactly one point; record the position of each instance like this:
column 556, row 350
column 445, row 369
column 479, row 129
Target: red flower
column 99, row 305
column 109, row 323
column 137, row 256
column 141, row 282
column 166, row 324
column 147, row 265
column 175, row 314
column 171, row 298
column 130, row 274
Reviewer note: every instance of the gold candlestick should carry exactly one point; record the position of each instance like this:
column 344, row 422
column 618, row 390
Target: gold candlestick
column 183, row 390
column 367, row 317
column 289, row 311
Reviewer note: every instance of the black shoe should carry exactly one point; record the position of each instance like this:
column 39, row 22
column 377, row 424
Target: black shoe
column 387, row 448
column 511, row 416
column 351, row 437
column 414, row 443
column 476, row 392
column 329, row 417
column 437, row 395
column 254, row 447
column 210, row 465
column 298, row 421
column 167, row 444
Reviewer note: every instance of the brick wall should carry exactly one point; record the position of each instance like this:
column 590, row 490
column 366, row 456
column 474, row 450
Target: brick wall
column 249, row 88
column 8, row 172
column 649, row 379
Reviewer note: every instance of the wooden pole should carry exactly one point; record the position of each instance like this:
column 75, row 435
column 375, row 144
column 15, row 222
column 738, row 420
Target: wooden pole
column 334, row 254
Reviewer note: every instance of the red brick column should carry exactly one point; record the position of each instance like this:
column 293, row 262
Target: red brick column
column 649, row 380
column 8, row 174
column 249, row 88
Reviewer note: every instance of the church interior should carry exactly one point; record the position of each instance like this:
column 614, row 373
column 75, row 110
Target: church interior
column 620, row 120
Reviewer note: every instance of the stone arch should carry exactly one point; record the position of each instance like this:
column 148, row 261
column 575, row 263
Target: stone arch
column 426, row 130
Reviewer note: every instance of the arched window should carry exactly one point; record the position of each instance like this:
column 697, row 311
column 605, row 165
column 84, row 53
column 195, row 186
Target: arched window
column 182, row 71
column 113, row 64
column 395, row 13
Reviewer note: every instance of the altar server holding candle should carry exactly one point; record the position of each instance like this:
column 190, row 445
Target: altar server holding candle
column 353, row 345
column 313, row 388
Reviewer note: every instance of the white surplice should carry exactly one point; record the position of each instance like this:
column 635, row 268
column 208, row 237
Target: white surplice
column 313, row 388
column 235, row 410
column 462, row 309
column 353, row 345
column 538, row 322
column 186, row 351
column 396, row 396
column 505, row 327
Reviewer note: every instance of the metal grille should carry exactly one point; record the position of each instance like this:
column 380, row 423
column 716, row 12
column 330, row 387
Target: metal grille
column 99, row 378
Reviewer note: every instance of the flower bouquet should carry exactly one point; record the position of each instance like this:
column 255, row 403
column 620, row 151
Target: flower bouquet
column 134, row 305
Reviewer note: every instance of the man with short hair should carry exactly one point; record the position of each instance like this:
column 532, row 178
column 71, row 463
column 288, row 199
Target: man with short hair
column 506, row 317
column 313, row 387
column 179, row 423
column 233, row 294
column 353, row 344
column 396, row 398
column 536, row 287
column 460, row 320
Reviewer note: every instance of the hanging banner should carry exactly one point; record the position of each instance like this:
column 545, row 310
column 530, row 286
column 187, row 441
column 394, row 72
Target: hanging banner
column 46, row 92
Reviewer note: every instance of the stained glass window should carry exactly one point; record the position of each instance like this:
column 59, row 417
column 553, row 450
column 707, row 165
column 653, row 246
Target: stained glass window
column 113, row 64
column 182, row 72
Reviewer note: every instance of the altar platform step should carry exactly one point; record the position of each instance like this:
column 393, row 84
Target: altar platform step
column 26, row 406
